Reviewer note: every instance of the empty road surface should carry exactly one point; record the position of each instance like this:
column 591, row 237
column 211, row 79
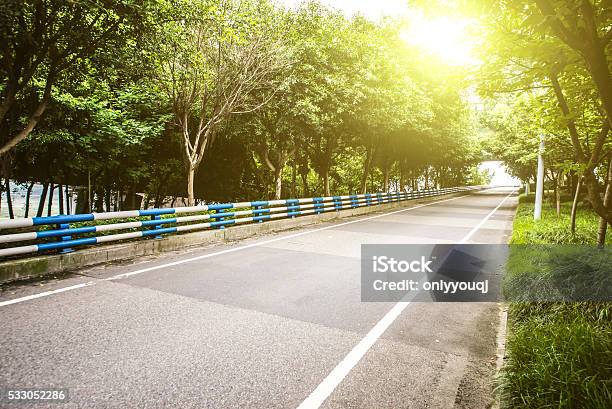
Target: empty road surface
column 271, row 322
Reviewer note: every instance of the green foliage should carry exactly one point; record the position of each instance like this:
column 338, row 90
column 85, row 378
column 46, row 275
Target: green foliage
column 545, row 75
column 553, row 229
column 558, row 354
column 480, row 177
column 554, row 272
column 355, row 108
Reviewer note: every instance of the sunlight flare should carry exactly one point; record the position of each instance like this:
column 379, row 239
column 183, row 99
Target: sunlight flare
column 445, row 37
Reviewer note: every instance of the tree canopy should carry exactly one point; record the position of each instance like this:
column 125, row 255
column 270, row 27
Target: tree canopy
column 215, row 100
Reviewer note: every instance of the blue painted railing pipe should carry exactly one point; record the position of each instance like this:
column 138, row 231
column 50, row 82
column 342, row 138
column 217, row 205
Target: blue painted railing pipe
column 158, row 221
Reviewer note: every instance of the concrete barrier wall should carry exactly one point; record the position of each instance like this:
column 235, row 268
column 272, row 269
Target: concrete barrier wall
column 12, row 270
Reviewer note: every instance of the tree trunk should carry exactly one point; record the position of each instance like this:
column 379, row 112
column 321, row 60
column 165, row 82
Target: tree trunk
column 190, row 181
column 43, row 199
column 106, row 200
column 558, row 194
column 588, row 44
column 594, row 196
column 293, row 177
column 8, row 97
column 27, row 201
column 590, row 180
column 9, row 200
column 326, row 191
column 367, row 165
column 129, row 201
column 99, row 201
column 603, row 223
column 597, row 64
column 50, row 204
column 277, row 168
column 117, row 203
column 81, row 205
column 60, row 196
column 68, row 197
column 89, row 202
column 147, row 201
column 278, row 182
column 436, row 177
column 133, row 199
column 305, row 190
column 575, row 206
column 386, row 186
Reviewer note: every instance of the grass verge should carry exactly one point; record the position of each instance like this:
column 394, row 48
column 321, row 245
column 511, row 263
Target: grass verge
column 559, row 355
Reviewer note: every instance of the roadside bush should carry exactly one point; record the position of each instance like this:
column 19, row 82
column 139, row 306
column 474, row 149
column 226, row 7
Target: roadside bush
column 559, row 357
column 553, row 229
column 559, row 354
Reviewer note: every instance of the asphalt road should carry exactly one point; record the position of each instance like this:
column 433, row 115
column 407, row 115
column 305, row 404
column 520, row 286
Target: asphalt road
column 272, row 322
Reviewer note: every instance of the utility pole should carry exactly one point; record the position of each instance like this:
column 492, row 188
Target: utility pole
column 537, row 211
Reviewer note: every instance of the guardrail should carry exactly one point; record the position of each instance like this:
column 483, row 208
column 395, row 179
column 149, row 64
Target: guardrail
column 57, row 232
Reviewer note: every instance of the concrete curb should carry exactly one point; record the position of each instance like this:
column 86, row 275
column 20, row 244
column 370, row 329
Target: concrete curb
column 502, row 334
column 500, row 353
column 12, row 270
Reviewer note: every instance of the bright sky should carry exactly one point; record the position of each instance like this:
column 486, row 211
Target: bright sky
column 500, row 174
column 444, row 36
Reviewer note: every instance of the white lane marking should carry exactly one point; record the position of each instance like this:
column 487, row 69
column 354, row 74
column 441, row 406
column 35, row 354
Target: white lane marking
column 60, row 290
column 337, row 375
column 483, row 221
column 261, row 243
column 325, row 388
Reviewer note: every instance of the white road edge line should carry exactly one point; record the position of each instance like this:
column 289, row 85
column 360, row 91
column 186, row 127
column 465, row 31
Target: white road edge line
column 34, row 296
column 261, row 243
column 337, row 375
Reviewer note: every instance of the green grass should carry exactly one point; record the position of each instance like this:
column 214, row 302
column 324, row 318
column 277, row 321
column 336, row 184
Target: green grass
column 553, row 229
column 558, row 272
column 559, row 355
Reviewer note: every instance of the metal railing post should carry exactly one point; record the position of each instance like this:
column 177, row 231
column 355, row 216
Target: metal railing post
column 157, row 227
column 220, row 219
column 259, row 213
column 65, row 226
column 337, row 203
column 317, row 204
column 293, row 205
